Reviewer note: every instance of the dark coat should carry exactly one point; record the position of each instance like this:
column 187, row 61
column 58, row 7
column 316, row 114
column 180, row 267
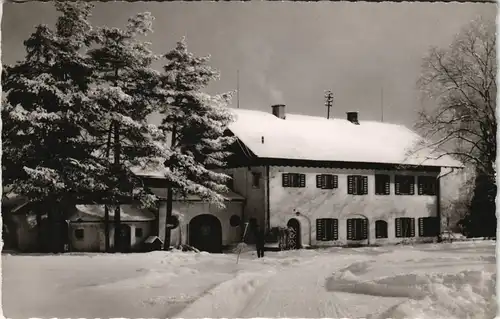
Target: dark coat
column 260, row 238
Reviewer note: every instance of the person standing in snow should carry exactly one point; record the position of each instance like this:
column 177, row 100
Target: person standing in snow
column 259, row 241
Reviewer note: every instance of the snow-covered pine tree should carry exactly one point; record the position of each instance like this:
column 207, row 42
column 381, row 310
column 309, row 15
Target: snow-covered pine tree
column 196, row 122
column 125, row 92
column 44, row 112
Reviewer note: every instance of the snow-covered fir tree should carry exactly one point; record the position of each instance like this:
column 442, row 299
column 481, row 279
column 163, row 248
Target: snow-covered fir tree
column 125, row 94
column 59, row 104
column 196, row 122
column 44, row 113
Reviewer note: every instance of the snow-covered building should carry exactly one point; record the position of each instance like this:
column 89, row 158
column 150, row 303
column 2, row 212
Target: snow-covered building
column 336, row 181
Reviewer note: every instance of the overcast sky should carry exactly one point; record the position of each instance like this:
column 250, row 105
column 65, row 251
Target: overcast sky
column 290, row 52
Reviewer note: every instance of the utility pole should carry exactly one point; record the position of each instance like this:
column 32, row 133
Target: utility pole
column 328, row 102
column 238, row 88
column 382, row 103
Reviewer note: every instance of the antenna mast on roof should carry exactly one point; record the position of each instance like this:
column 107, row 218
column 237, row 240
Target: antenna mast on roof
column 238, row 88
column 382, row 103
column 328, row 102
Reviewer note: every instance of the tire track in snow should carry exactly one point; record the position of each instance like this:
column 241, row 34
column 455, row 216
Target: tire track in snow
column 300, row 291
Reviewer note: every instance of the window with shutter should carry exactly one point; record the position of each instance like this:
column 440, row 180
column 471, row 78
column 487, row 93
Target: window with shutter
column 285, row 179
column 350, row 229
column 326, row 229
column 294, row 180
column 398, row 227
column 319, row 181
column 320, row 230
column 405, row 227
column 302, row 180
column 327, row 181
column 382, row 184
column 350, row 184
column 381, row 229
column 365, row 185
column 357, row 185
column 427, row 185
column 357, row 228
column 428, row 227
column 335, row 226
column 404, row 185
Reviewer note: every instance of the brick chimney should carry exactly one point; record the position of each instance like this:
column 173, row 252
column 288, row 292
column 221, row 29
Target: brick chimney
column 353, row 117
column 279, row 111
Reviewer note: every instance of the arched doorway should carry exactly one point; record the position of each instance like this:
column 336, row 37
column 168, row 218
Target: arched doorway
column 295, row 235
column 205, row 233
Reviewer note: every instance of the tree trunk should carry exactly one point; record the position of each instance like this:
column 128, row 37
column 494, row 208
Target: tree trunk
column 117, row 236
column 106, row 208
column 170, row 199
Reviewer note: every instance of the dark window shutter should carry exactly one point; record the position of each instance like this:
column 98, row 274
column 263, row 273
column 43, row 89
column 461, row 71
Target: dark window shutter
column 398, row 227
column 397, row 182
column 365, row 228
column 335, row 181
column 412, row 184
column 319, row 229
column 421, row 227
column 302, row 180
column 365, row 185
column 335, row 226
column 350, row 184
column 412, row 227
column 420, row 181
column 319, row 181
column 388, row 185
column 350, row 230
column 285, row 179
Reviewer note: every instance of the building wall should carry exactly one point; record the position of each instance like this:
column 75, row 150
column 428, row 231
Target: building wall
column 186, row 211
column 26, row 234
column 255, row 197
column 94, row 236
column 336, row 203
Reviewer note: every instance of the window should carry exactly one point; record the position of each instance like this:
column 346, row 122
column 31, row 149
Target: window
column 428, row 227
column 427, row 185
column 229, row 182
column 405, row 227
column 357, row 185
column 382, row 184
column 405, row 185
column 138, row 232
column 381, row 229
column 294, row 180
column 79, row 234
column 327, row 229
column 327, row 181
column 234, row 220
column 256, row 179
column 357, row 229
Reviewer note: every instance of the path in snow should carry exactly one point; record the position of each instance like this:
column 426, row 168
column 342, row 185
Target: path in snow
column 356, row 283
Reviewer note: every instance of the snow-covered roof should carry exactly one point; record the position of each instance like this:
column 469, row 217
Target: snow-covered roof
column 162, row 193
column 96, row 213
column 302, row 137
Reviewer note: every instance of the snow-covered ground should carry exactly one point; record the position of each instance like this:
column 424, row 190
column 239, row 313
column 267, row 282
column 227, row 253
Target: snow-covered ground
column 425, row 281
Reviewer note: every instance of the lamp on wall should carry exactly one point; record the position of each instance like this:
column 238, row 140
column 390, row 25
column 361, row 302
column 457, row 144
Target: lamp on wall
column 298, row 214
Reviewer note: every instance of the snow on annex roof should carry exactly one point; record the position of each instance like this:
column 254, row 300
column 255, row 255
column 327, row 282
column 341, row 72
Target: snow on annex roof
column 303, row 137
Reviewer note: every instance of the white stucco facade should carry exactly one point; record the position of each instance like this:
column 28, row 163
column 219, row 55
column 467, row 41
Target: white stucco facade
column 314, row 203
column 188, row 210
column 94, row 236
